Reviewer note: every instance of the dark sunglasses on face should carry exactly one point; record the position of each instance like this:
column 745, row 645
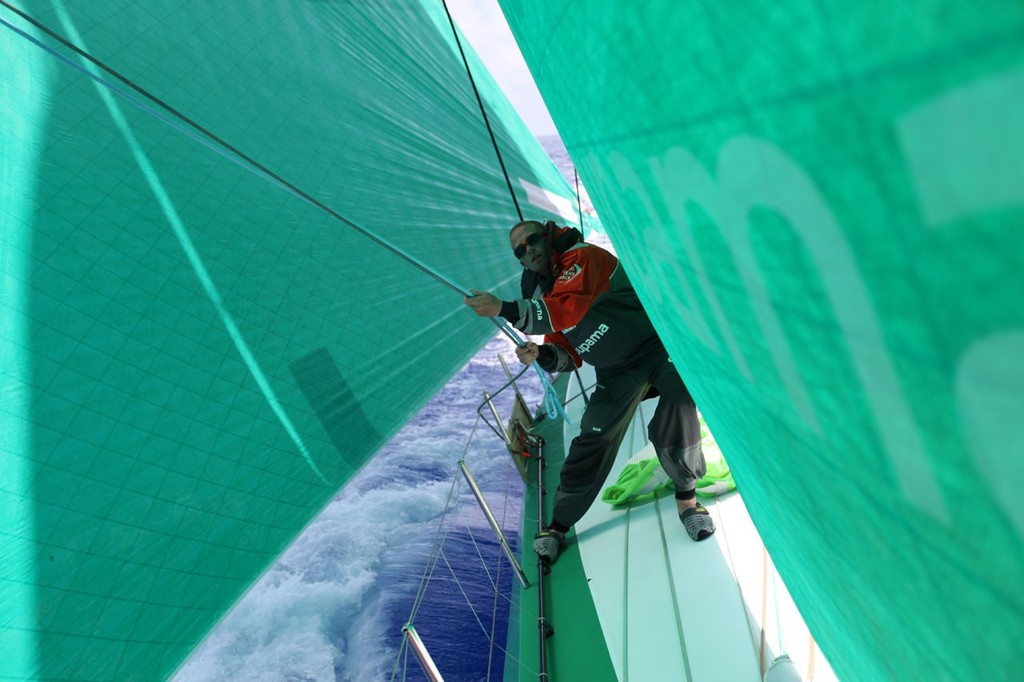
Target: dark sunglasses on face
column 531, row 240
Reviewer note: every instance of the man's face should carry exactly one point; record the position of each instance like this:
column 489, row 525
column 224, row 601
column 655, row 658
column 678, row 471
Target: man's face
column 536, row 256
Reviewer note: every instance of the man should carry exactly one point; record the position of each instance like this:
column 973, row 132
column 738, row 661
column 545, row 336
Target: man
column 578, row 297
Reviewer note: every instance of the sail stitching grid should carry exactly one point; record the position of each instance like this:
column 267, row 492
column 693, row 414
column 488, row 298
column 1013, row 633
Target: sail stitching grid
column 195, row 260
column 219, row 145
column 215, row 143
column 212, row 141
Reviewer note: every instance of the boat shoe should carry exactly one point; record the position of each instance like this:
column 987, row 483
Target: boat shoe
column 698, row 522
column 547, row 544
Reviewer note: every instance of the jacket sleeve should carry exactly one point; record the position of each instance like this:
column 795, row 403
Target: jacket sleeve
column 586, row 272
column 563, row 356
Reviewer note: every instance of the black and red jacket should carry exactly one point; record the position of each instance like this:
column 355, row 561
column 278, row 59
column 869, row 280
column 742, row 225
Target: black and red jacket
column 588, row 312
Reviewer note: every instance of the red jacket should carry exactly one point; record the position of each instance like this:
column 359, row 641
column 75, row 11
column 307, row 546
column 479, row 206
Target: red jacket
column 591, row 311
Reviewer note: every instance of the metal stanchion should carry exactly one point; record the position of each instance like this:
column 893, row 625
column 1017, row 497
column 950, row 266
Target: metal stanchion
column 544, row 628
column 421, row 653
column 494, row 523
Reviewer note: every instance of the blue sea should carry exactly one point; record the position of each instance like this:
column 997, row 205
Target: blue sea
column 333, row 606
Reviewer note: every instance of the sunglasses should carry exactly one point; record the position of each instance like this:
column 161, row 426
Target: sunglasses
column 531, row 240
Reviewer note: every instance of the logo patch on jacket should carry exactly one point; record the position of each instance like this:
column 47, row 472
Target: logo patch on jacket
column 569, row 274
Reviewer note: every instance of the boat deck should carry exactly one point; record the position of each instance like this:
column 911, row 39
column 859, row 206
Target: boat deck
column 633, row 598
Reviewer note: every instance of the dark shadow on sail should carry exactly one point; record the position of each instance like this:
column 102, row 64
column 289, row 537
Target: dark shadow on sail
column 334, row 403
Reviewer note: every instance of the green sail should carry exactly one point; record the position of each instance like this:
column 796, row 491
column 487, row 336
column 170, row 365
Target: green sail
column 194, row 359
column 821, row 205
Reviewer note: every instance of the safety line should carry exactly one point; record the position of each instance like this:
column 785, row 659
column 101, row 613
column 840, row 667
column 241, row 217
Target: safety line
column 437, row 554
column 483, row 111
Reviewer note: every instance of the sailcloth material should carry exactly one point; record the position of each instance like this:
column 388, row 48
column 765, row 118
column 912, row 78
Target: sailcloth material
column 820, row 204
column 193, row 360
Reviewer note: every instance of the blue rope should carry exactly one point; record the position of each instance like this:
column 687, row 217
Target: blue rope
column 552, row 405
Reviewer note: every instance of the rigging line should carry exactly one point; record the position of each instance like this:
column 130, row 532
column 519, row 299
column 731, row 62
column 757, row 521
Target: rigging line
column 428, row 569
column 764, row 610
column 494, row 615
column 431, row 566
column 493, row 581
column 479, row 554
column 723, row 534
column 483, row 111
column 458, row 583
column 403, row 648
column 579, row 206
column 494, row 607
column 473, row 610
column 236, row 155
column 552, row 404
column 778, row 614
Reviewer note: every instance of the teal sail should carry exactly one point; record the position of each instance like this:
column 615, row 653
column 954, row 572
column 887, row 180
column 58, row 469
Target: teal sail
column 821, row 206
column 194, row 357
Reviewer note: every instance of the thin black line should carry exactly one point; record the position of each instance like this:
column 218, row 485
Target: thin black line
column 483, row 111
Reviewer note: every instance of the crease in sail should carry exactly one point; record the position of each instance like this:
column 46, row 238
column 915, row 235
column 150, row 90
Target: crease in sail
column 195, row 260
column 19, row 138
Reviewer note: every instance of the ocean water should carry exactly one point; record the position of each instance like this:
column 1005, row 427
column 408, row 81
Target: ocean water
column 333, row 606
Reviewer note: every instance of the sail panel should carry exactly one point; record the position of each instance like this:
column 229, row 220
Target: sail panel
column 195, row 358
column 820, row 206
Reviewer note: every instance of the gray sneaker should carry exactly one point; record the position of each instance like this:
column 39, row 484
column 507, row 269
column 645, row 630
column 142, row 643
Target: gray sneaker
column 698, row 522
column 547, row 544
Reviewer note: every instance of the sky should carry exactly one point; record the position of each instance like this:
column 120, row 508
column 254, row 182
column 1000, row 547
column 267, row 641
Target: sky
column 484, row 25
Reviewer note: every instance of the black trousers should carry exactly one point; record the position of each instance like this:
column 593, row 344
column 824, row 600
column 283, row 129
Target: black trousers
column 674, row 431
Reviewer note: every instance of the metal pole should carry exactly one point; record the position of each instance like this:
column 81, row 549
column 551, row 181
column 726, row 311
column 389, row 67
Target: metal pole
column 508, row 373
column 494, row 523
column 433, row 674
column 497, row 418
column 583, row 390
column 543, row 628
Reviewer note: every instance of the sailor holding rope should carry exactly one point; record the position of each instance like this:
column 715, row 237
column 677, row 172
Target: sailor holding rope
column 580, row 299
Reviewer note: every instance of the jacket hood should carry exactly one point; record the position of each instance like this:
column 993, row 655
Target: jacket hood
column 560, row 239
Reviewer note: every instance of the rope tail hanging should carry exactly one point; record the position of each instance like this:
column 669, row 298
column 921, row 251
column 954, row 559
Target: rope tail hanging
column 552, row 405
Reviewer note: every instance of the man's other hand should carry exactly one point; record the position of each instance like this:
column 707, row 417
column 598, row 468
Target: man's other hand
column 527, row 353
column 483, row 303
